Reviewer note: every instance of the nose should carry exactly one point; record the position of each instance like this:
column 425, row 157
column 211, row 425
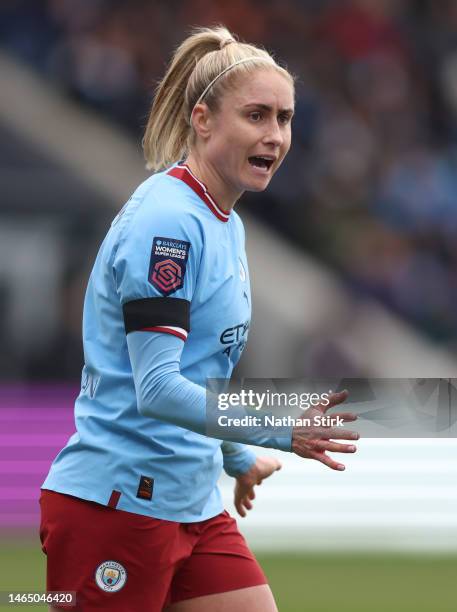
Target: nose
column 274, row 135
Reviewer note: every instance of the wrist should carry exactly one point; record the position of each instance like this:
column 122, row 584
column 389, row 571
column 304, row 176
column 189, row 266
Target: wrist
column 251, row 476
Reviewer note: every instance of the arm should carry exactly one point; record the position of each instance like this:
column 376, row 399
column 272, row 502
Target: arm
column 238, row 458
column 164, row 394
column 156, row 310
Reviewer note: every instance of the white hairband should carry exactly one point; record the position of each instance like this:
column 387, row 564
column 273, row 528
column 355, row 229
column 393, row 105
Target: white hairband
column 241, row 61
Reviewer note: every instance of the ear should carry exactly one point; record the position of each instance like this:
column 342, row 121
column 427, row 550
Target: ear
column 201, row 120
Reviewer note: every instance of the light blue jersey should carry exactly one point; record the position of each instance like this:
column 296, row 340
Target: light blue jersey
column 168, row 305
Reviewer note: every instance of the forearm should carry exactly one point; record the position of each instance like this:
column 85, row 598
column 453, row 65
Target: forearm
column 238, row 458
column 163, row 393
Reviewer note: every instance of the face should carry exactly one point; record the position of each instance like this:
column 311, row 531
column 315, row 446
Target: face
column 250, row 134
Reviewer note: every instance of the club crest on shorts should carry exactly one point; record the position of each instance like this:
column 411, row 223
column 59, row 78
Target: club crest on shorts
column 110, row 576
column 167, row 267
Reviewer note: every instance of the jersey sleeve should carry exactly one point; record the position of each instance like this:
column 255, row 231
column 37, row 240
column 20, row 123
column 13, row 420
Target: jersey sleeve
column 163, row 393
column 156, row 267
column 238, row 458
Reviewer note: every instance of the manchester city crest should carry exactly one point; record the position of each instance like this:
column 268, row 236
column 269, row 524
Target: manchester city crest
column 110, row 576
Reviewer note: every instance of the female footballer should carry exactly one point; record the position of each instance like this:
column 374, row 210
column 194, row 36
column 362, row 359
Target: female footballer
column 132, row 518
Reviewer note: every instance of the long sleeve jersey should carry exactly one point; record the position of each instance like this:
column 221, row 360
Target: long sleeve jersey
column 168, row 305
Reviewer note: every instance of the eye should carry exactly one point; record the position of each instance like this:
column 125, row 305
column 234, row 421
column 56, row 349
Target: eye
column 284, row 118
column 256, row 116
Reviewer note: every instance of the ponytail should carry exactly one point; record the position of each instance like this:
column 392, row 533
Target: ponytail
column 193, row 75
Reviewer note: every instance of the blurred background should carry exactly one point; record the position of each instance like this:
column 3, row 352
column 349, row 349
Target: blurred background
column 358, row 229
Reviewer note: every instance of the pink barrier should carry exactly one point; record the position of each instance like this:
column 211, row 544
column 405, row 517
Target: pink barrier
column 35, row 423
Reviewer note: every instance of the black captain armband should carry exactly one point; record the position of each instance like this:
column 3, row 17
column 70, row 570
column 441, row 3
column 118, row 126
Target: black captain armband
column 167, row 315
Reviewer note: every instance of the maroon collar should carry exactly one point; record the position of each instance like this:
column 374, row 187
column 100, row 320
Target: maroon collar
column 184, row 173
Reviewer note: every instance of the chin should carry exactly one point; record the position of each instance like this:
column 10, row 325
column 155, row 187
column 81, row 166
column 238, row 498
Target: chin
column 257, row 186
column 256, row 189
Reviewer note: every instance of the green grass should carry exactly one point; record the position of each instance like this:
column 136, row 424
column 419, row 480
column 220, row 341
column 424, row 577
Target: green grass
column 23, row 568
column 300, row 582
column 362, row 583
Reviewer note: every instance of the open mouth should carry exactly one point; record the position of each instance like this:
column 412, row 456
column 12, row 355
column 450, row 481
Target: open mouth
column 263, row 163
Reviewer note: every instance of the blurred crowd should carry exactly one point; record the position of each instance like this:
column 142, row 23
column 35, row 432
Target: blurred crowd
column 370, row 185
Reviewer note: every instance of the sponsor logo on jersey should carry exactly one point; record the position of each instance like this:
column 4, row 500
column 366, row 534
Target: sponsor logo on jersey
column 234, row 334
column 110, row 576
column 234, row 338
column 167, row 267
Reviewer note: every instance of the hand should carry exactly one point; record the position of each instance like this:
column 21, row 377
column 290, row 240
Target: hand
column 312, row 442
column 245, row 483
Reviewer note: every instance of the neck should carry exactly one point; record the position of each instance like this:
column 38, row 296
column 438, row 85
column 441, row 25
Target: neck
column 225, row 195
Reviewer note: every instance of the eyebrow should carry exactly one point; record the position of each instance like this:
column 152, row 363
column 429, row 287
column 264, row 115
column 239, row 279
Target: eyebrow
column 266, row 107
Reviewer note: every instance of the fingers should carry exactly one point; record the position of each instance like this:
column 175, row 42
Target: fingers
column 240, row 509
column 334, row 433
column 244, row 503
column 345, row 416
column 305, row 434
column 317, row 448
column 329, row 462
column 334, row 447
column 244, row 490
column 335, row 399
column 238, row 502
column 247, row 503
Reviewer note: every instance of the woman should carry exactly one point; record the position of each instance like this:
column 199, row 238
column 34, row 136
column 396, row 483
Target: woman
column 131, row 514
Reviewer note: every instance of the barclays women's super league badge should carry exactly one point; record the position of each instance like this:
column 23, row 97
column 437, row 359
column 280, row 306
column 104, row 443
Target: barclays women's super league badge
column 110, row 576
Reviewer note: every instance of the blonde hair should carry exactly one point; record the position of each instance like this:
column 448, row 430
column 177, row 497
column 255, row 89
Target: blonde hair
column 200, row 70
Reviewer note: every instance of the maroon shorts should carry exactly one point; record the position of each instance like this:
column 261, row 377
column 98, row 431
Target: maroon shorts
column 121, row 561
